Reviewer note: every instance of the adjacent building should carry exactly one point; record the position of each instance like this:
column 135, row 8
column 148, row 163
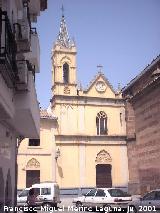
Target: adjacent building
column 83, row 133
column 36, row 157
column 142, row 96
column 19, row 108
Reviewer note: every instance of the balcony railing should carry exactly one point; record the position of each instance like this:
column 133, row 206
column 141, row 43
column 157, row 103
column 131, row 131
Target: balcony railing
column 8, row 50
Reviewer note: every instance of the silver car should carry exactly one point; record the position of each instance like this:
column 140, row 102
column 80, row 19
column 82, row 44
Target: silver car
column 150, row 202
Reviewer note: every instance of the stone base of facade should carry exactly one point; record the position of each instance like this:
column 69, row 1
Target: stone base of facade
column 141, row 188
column 134, row 188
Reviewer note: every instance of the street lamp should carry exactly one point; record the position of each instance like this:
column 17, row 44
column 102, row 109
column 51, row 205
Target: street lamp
column 58, row 154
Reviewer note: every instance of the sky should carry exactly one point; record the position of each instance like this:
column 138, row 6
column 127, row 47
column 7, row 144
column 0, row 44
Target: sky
column 121, row 35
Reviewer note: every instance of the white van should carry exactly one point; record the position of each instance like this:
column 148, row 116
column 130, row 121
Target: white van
column 48, row 194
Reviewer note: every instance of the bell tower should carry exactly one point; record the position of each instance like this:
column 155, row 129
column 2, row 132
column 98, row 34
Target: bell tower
column 64, row 63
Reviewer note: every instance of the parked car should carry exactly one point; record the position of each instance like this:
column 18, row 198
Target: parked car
column 22, row 197
column 104, row 197
column 48, row 194
column 150, row 202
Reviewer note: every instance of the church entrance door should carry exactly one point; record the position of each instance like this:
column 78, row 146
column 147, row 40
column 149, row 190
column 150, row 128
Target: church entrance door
column 103, row 175
column 32, row 177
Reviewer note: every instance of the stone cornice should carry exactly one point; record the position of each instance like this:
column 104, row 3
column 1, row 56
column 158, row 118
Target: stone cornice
column 145, row 90
column 86, row 100
column 60, row 83
column 92, row 143
column 147, row 69
column 100, row 138
column 34, row 154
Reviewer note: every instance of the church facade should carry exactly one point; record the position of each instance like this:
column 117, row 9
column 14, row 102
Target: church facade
column 88, row 133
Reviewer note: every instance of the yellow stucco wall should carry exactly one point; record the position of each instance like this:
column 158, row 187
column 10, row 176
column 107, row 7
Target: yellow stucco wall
column 82, row 118
column 43, row 154
column 76, row 167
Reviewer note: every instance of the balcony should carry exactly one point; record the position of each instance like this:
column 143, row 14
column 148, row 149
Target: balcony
column 34, row 55
column 34, row 8
column 18, row 99
column 22, row 81
column 26, row 119
column 8, row 50
column 6, row 100
column 22, row 31
column 43, row 5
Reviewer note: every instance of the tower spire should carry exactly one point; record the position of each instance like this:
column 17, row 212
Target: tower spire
column 63, row 36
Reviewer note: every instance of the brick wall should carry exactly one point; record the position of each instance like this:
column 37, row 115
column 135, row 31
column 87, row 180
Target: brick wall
column 143, row 119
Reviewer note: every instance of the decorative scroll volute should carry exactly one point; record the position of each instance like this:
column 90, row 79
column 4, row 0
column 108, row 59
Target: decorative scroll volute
column 103, row 157
column 33, row 163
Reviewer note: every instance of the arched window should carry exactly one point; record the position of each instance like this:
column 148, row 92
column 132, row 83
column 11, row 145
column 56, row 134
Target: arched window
column 65, row 73
column 101, row 123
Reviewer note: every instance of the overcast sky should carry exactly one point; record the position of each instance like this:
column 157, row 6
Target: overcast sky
column 121, row 35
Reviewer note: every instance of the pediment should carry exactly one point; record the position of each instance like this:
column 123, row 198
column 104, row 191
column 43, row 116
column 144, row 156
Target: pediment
column 103, row 157
column 100, row 87
column 33, row 163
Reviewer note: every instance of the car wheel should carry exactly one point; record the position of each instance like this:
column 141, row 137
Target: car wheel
column 47, row 205
column 132, row 209
column 78, row 204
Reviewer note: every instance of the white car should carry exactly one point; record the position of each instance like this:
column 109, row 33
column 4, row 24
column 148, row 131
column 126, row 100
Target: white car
column 104, row 197
column 150, row 202
column 22, row 197
column 48, row 194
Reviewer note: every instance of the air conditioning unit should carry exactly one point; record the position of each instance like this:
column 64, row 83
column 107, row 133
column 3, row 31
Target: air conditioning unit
column 22, row 82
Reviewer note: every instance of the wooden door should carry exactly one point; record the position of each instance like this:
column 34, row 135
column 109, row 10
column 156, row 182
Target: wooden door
column 32, row 177
column 103, row 175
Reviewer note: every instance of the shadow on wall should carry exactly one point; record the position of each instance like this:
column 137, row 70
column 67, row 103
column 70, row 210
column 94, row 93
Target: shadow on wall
column 1, row 190
column 8, row 190
column 60, row 171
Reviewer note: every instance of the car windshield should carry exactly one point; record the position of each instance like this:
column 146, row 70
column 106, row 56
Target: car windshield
column 149, row 196
column 91, row 193
column 118, row 193
column 24, row 193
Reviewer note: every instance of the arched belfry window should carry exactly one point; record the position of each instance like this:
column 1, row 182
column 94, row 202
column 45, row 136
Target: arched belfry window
column 101, row 123
column 65, row 73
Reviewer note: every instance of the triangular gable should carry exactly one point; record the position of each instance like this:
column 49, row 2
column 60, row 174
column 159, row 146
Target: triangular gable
column 92, row 88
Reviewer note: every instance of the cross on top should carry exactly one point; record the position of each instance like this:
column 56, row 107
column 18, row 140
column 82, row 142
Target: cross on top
column 100, row 67
column 62, row 8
